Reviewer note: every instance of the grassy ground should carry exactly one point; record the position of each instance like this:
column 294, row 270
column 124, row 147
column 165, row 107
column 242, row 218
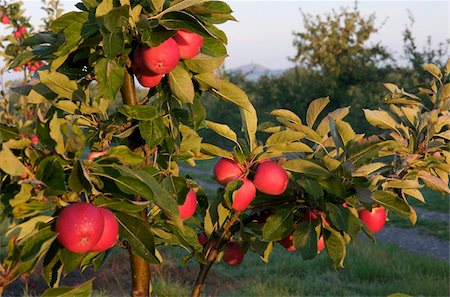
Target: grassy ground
column 439, row 229
column 370, row 270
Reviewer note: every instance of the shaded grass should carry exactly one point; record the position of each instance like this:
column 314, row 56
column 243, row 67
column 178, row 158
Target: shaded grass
column 434, row 201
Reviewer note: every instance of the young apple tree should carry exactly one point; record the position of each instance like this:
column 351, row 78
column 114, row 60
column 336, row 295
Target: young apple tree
column 97, row 166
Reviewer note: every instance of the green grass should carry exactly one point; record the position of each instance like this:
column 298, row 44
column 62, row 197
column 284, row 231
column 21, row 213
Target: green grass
column 370, row 270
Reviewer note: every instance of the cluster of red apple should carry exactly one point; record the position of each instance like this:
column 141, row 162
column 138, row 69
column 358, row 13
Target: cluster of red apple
column 152, row 63
column 19, row 32
column 31, row 66
column 270, row 178
column 374, row 221
column 84, row 227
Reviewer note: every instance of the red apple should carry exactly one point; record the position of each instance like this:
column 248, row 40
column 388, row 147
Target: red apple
column 110, row 231
column 34, row 139
column 374, row 219
column 17, row 69
column 244, row 195
column 17, row 34
column 160, row 59
column 187, row 210
column 79, row 227
column 234, row 254
column 270, row 178
column 288, row 243
column 5, row 19
column 149, row 81
column 227, row 170
column 189, row 43
column 22, row 29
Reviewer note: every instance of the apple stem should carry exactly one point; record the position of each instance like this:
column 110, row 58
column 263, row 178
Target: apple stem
column 139, row 267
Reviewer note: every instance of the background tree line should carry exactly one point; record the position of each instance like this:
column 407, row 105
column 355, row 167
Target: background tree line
column 334, row 58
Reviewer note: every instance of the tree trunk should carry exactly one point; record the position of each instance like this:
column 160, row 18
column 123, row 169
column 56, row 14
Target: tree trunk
column 139, row 267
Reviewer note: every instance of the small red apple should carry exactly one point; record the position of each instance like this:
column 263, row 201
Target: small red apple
column 187, row 210
column 160, row 59
column 17, row 69
column 227, row 170
column 5, row 19
column 189, row 43
column 270, row 178
column 34, row 139
column 244, row 195
column 288, row 242
column 17, row 34
column 374, row 219
column 110, row 231
column 79, row 227
column 22, row 29
column 234, row 254
column 320, row 244
column 25, row 175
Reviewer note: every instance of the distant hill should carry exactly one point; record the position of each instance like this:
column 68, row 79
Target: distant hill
column 254, row 71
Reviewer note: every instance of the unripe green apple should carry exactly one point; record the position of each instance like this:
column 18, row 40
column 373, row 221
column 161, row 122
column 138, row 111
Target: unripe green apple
column 189, row 43
column 374, row 219
column 187, row 210
column 79, row 227
column 234, row 254
column 244, row 195
column 227, row 170
column 110, row 231
column 270, row 178
column 160, row 59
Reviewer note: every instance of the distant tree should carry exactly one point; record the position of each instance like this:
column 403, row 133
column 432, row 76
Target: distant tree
column 336, row 44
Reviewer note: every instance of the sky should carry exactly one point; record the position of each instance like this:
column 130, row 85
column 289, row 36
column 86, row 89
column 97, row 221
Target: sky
column 264, row 31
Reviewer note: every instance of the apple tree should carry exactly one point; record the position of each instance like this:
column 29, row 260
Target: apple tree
column 97, row 154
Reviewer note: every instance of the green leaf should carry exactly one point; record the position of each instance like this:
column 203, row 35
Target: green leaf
column 139, row 112
column 56, row 134
column 333, row 186
column 104, row 7
column 70, row 260
column 434, row 182
column 51, row 172
column 286, row 114
column 138, row 235
column 345, row 131
column 380, row 119
column 278, row 225
column 392, row 202
column 305, row 238
column 58, row 83
column 308, row 168
column 223, row 130
column 203, row 63
column 314, row 109
column 124, row 155
column 113, row 43
column 216, row 151
column 7, row 133
column 284, row 137
column 433, row 69
column 213, row 47
column 82, row 290
column 109, row 75
column 117, row 18
column 233, row 94
column 158, row 5
column 34, row 247
column 181, row 85
column 297, row 147
column 336, row 248
column 343, row 219
column 10, row 163
column 250, row 125
column 153, row 131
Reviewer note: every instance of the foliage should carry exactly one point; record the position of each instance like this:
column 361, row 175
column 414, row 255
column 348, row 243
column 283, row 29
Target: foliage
column 47, row 161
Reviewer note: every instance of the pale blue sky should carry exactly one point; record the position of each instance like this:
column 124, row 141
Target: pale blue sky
column 263, row 33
